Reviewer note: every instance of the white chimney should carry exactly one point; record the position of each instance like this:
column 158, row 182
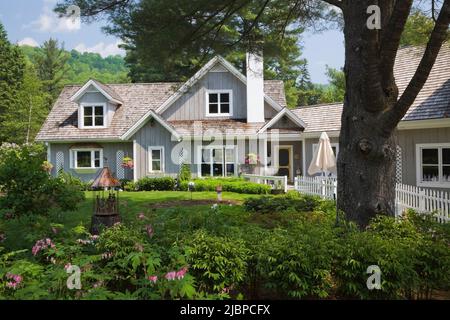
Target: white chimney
column 255, row 88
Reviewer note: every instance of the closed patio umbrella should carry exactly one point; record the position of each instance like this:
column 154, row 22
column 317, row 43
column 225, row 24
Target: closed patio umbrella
column 324, row 159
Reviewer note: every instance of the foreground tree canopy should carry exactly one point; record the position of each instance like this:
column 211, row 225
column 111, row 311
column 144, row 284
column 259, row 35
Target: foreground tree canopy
column 372, row 105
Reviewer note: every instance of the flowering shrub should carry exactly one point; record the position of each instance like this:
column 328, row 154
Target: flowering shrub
column 14, row 280
column 42, row 245
column 27, row 184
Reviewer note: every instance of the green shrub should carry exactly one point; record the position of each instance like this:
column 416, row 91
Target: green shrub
column 130, row 186
column 29, row 187
column 297, row 263
column 270, row 204
column 185, row 172
column 413, row 261
column 217, row 262
column 156, row 184
column 228, row 185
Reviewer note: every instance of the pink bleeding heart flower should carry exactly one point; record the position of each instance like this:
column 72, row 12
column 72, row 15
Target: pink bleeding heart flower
column 153, row 279
column 141, row 216
column 149, row 230
column 180, row 274
column 171, row 275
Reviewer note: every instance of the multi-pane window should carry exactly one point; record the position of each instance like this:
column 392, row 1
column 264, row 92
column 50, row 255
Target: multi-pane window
column 434, row 164
column 87, row 158
column 93, row 116
column 218, row 161
column 219, row 103
column 156, row 159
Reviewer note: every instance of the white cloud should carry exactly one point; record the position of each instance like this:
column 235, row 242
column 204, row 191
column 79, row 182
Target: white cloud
column 28, row 42
column 102, row 48
column 49, row 21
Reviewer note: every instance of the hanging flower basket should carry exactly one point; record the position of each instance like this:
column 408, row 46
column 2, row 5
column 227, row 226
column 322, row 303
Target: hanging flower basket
column 47, row 166
column 251, row 163
column 127, row 163
column 252, row 159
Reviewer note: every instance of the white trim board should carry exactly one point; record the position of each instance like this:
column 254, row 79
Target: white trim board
column 94, row 83
column 138, row 125
column 284, row 112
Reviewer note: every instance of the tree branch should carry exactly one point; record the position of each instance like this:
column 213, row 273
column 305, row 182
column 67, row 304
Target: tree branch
column 393, row 116
column 393, row 32
column 337, row 3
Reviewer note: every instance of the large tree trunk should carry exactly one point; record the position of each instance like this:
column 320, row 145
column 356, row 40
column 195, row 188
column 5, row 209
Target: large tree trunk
column 366, row 162
column 372, row 108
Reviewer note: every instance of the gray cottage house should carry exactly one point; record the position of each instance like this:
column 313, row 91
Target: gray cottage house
column 222, row 123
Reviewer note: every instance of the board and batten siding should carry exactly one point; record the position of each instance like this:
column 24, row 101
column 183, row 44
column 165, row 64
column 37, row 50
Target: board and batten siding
column 109, row 158
column 152, row 134
column 192, row 105
column 408, row 139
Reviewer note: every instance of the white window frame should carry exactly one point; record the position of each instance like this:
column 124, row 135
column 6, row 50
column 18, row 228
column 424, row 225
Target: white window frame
column 225, row 162
column 219, row 114
column 74, row 156
column 93, row 105
column 419, row 175
column 150, row 159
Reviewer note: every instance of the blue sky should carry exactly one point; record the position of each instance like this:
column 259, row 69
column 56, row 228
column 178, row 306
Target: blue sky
column 33, row 21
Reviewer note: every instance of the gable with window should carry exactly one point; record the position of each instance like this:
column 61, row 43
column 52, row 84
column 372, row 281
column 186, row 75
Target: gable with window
column 433, row 165
column 156, row 159
column 219, row 103
column 93, row 115
column 86, row 158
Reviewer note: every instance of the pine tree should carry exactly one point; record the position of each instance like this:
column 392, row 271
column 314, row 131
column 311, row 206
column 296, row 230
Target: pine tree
column 12, row 70
column 51, row 67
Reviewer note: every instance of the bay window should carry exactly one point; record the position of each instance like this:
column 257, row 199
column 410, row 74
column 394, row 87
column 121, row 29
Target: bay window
column 433, row 164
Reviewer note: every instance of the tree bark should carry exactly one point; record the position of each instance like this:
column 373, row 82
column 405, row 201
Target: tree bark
column 372, row 108
column 366, row 162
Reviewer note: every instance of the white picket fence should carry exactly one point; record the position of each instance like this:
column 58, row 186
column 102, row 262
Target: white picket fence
column 276, row 182
column 423, row 200
column 406, row 197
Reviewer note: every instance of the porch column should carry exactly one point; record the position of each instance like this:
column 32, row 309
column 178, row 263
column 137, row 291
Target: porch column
column 136, row 162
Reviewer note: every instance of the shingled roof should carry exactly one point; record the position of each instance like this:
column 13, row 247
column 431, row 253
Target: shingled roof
column 138, row 99
column 433, row 101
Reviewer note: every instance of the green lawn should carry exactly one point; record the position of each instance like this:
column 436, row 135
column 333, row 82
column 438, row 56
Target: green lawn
column 22, row 232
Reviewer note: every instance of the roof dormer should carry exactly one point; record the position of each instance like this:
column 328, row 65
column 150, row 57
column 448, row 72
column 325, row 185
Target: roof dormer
column 97, row 104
